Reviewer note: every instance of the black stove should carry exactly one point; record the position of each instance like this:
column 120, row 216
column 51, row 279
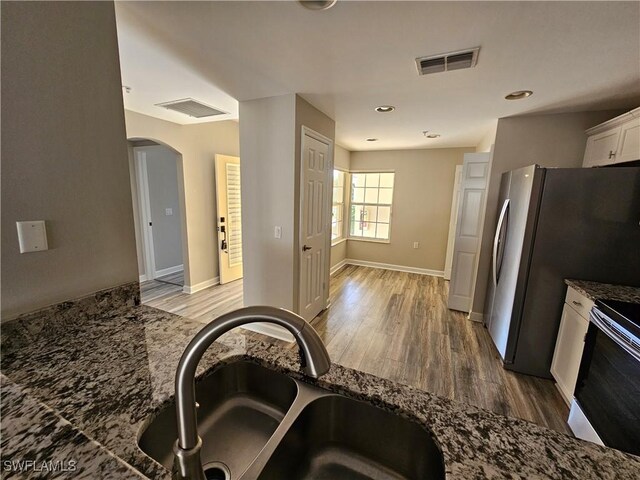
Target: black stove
column 626, row 314
column 608, row 385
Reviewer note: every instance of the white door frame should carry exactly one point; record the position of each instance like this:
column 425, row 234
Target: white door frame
column 306, row 131
column 142, row 181
column 453, row 221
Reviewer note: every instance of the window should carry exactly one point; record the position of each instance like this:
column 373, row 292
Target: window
column 337, row 210
column 371, row 198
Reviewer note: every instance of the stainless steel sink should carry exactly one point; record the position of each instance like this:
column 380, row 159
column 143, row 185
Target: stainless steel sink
column 241, row 405
column 339, row 438
column 259, row 424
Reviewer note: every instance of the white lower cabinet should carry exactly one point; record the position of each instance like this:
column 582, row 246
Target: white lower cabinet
column 569, row 347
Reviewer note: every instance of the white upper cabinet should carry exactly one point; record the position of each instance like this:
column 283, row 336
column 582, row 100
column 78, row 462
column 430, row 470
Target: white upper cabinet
column 629, row 143
column 601, row 148
column 615, row 141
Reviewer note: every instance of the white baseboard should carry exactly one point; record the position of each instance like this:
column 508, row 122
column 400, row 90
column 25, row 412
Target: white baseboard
column 276, row 331
column 143, row 278
column 398, row 268
column 201, row 286
column 476, row 317
column 169, row 270
column 338, row 266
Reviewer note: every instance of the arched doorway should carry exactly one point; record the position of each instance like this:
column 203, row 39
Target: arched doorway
column 157, row 186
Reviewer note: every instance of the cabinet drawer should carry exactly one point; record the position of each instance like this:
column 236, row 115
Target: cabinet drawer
column 579, row 302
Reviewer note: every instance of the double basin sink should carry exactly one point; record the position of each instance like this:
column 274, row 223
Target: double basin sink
column 259, row 424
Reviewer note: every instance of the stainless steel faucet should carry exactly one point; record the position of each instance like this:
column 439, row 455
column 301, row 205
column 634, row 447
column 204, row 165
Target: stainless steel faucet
column 314, row 357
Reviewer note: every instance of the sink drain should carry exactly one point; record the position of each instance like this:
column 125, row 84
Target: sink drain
column 216, row 471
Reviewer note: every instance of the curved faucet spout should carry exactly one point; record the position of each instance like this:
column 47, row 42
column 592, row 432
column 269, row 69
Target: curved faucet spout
column 314, row 357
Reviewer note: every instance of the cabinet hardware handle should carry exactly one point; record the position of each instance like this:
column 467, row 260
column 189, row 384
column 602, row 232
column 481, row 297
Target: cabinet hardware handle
column 611, row 154
column 576, row 303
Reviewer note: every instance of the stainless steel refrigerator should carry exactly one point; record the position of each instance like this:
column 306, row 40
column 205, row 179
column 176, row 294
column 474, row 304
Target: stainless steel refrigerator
column 556, row 223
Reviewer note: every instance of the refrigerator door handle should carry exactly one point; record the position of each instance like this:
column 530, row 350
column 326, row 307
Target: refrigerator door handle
column 496, row 240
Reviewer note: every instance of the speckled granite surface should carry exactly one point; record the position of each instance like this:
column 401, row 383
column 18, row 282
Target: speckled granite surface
column 605, row 291
column 37, row 443
column 107, row 372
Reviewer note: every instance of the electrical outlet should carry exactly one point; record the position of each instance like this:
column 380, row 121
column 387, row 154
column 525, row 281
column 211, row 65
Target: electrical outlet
column 32, row 236
column 168, row 212
column 416, row 244
column 277, row 232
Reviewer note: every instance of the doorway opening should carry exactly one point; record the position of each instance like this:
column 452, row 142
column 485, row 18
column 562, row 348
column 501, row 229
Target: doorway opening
column 159, row 210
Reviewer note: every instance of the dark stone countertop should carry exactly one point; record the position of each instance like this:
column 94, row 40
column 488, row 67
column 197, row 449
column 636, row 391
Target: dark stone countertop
column 605, row 291
column 100, row 376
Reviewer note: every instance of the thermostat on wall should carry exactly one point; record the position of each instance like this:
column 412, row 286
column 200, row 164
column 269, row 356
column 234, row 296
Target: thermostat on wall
column 32, row 236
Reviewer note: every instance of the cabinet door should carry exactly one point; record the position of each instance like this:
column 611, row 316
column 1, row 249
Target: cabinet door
column 601, row 148
column 568, row 352
column 629, row 144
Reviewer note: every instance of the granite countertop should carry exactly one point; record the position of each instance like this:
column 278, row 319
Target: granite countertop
column 97, row 376
column 605, row 291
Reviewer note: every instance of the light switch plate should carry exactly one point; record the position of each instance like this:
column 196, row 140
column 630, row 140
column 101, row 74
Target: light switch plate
column 168, row 212
column 32, row 236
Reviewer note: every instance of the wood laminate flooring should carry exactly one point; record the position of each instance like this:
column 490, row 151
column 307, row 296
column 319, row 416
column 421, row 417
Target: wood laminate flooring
column 173, row 278
column 396, row 325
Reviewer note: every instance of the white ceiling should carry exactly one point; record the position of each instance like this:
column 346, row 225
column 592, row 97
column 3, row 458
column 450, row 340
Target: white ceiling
column 360, row 54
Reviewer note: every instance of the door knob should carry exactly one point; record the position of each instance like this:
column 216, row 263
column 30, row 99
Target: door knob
column 305, row 248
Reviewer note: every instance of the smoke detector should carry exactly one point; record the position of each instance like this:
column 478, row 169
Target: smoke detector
column 445, row 62
column 191, row 107
column 317, row 4
column 429, row 134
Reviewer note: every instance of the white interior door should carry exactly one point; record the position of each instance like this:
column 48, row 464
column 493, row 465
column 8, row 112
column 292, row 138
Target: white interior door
column 315, row 223
column 453, row 220
column 468, row 238
column 227, row 170
column 140, row 157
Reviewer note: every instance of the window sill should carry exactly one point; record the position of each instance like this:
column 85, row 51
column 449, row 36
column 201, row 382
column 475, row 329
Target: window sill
column 338, row 241
column 371, row 240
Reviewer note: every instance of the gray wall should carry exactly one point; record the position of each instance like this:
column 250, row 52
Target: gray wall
column 548, row 140
column 267, row 131
column 64, row 153
column 341, row 161
column 162, row 176
column 270, row 143
column 197, row 145
column 421, row 208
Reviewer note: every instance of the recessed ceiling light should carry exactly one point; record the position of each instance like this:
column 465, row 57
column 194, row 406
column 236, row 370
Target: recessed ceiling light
column 317, row 4
column 519, row 94
column 372, row 139
column 385, row 108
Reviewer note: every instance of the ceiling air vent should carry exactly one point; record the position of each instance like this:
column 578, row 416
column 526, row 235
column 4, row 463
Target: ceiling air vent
column 445, row 62
column 191, row 107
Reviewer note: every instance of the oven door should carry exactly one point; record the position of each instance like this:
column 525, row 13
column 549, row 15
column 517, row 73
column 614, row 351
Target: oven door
column 608, row 385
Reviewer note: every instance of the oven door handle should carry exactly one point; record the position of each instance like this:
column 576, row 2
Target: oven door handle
column 599, row 320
